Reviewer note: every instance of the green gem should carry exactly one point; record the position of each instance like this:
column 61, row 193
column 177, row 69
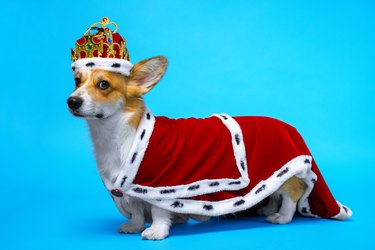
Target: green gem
column 89, row 46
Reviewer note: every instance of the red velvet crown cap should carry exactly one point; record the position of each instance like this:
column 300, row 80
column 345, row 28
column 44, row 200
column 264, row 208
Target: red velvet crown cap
column 117, row 41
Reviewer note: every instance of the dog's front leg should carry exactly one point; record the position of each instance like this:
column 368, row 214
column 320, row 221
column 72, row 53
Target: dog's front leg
column 137, row 218
column 135, row 225
column 161, row 222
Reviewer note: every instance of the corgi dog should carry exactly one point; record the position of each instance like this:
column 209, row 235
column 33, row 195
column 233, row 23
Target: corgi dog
column 113, row 106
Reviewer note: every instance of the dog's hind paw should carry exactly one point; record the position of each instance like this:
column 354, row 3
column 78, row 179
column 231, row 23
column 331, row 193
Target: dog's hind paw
column 277, row 218
column 129, row 228
column 156, row 232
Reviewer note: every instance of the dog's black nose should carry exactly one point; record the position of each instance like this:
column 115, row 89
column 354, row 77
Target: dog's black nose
column 74, row 102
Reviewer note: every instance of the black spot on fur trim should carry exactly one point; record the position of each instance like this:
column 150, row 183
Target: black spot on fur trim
column 177, row 204
column 235, row 183
column 224, row 117
column 304, row 210
column 345, row 208
column 140, row 190
column 167, row 191
column 133, row 157
column 307, row 161
column 214, row 184
column 123, row 180
column 116, row 192
column 116, row 65
column 238, row 203
column 282, row 172
column 90, row 64
column 193, row 187
column 143, row 134
column 158, row 199
column 313, row 180
column 242, row 163
column 73, row 68
column 148, row 116
column 262, row 188
column 208, row 207
column 237, row 138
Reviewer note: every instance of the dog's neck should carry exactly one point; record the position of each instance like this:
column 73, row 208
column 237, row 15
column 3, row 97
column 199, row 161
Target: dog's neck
column 113, row 138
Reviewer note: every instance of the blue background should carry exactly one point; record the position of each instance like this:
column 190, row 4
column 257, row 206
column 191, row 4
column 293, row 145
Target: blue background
column 309, row 63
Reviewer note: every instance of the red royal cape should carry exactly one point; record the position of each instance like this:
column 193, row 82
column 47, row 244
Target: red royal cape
column 221, row 165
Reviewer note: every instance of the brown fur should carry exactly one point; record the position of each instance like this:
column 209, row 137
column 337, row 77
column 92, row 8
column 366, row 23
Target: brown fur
column 137, row 85
column 295, row 187
column 129, row 88
column 121, row 87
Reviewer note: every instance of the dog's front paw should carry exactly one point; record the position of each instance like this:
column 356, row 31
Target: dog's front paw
column 156, row 232
column 277, row 218
column 129, row 228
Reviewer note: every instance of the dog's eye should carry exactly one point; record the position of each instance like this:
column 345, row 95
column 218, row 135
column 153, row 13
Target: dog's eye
column 103, row 85
column 77, row 81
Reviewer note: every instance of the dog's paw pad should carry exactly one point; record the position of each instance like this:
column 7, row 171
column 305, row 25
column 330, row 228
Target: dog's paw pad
column 277, row 218
column 129, row 228
column 155, row 233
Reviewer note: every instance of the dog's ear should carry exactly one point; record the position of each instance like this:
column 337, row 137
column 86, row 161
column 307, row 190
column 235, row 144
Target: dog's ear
column 147, row 73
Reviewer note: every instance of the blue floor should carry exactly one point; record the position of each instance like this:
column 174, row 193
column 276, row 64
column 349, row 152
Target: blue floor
column 63, row 213
column 310, row 64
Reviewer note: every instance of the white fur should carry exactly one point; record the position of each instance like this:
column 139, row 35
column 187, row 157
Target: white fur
column 160, row 224
column 103, row 63
column 113, row 138
column 285, row 213
column 297, row 167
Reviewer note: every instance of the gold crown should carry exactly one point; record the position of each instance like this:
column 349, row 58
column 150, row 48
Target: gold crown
column 105, row 43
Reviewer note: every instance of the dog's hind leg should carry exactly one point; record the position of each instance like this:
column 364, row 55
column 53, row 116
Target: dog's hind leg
column 286, row 211
column 290, row 192
column 272, row 206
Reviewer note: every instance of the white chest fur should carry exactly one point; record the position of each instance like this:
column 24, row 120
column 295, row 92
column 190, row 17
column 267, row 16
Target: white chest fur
column 113, row 138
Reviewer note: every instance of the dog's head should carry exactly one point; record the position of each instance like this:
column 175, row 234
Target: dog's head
column 100, row 93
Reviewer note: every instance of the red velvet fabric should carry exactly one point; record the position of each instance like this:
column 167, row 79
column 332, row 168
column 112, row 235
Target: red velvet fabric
column 117, row 41
column 182, row 151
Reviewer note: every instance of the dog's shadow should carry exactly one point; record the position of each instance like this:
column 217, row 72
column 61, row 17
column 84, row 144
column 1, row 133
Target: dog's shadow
column 109, row 226
column 218, row 224
column 227, row 223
